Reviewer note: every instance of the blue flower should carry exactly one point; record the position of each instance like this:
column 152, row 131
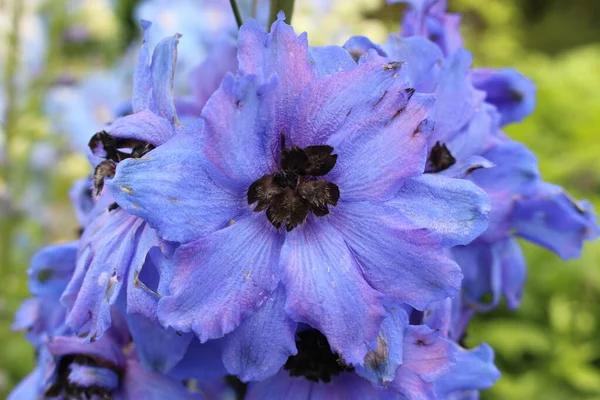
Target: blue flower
column 333, row 158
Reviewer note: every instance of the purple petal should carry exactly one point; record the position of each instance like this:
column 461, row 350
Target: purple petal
column 342, row 387
column 262, row 343
column 457, row 210
column 51, row 269
column 426, row 357
column 279, row 53
column 330, row 60
column 510, row 92
column 552, row 219
column 103, row 348
column 90, row 376
column 117, row 241
column 222, row 277
column 359, row 46
column 237, row 150
column 164, row 59
column 206, row 78
column 139, row 383
column 401, row 260
column 202, row 362
column 170, row 188
column 144, row 126
column 422, row 59
column 142, row 77
column 325, row 289
column 462, row 169
column 477, row 136
column 381, row 363
column 474, row 370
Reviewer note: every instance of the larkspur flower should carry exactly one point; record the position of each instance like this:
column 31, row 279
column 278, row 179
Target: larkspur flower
column 473, row 105
column 308, row 142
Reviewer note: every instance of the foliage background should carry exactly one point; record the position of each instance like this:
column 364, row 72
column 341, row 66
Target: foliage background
column 549, row 349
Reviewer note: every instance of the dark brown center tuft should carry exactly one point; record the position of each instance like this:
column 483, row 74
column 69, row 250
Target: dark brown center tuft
column 440, row 158
column 315, row 361
column 289, row 194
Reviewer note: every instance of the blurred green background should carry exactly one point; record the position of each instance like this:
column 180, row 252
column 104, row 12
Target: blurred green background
column 549, row 349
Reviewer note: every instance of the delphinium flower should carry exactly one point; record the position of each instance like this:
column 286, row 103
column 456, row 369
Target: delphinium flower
column 472, row 105
column 282, row 198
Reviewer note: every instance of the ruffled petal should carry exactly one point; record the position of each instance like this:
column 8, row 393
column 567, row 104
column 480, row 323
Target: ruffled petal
column 399, row 259
column 509, row 91
column 144, row 126
column 170, row 188
column 330, row 60
column 237, row 150
column 552, row 219
column 51, row 269
column 457, row 210
column 262, row 343
column 426, row 357
column 279, row 53
column 325, row 289
column 220, row 278
column 381, row 363
column 139, row 383
column 474, row 370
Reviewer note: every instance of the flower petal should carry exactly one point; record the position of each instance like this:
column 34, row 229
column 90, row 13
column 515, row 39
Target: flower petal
column 221, row 277
column 138, row 383
column 237, row 150
column 474, row 370
column 279, row 53
column 552, row 219
column 456, row 209
column 330, row 60
column 164, row 59
column 401, row 260
column 51, row 269
column 142, row 77
column 325, row 289
column 262, row 343
column 144, row 126
column 170, row 188
column 509, row 91
column 104, row 348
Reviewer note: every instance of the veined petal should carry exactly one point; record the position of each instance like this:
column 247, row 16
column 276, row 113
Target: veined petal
column 171, row 189
column 262, row 343
column 221, row 277
column 325, row 289
column 399, row 259
column 456, row 210
column 164, row 59
column 237, row 149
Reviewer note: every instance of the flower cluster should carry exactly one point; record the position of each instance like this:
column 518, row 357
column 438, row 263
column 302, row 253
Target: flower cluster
column 317, row 223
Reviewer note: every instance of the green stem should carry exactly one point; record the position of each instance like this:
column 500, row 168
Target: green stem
column 236, row 13
column 287, row 6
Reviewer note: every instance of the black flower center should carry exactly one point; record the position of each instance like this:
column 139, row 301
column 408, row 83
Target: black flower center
column 62, row 384
column 440, row 158
column 290, row 193
column 315, row 361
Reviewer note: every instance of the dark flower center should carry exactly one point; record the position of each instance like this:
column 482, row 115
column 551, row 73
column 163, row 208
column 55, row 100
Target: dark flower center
column 64, row 386
column 289, row 194
column 315, row 361
column 440, row 158
column 115, row 150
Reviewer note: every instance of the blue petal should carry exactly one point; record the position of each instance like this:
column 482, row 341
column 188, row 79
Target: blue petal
column 220, row 278
column 139, row 383
column 380, row 364
column 552, row 219
column 510, row 92
column 29, row 388
column 457, row 210
column 359, row 46
column 171, row 189
column 425, row 358
column 90, row 376
column 202, row 362
column 397, row 258
column 164, row 59
column 462, row 169
column 325, row 289
column 115, row 241
column 104, row 349
column 477, row 136
column 330, row 60
column 421, row 56
column 474, row 370
column 142, row 77
column 263, row 341
column 279, row 53
column 51, row 269
column 144, row 126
